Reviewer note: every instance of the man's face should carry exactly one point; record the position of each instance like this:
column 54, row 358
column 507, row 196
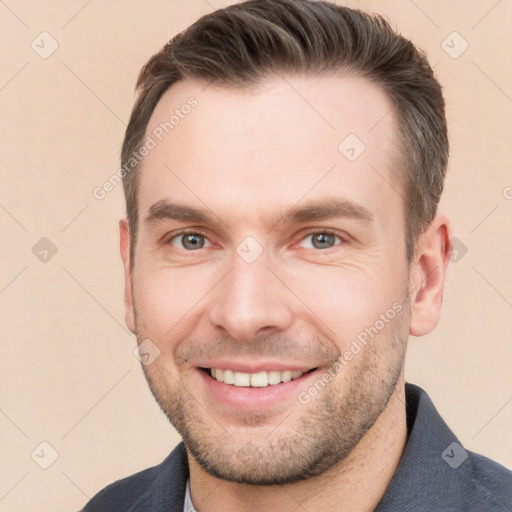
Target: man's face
column 298, row 251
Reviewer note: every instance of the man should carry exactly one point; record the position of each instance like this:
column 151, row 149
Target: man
column 282, row 169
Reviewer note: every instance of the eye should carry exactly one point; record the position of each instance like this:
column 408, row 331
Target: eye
column 321, row 240
column 189, row 241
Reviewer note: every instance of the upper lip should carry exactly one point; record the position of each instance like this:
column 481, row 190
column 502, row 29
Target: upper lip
column 256, row 366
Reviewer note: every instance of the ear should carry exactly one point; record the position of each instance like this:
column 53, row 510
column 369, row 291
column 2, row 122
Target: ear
column 428, row 270
column 124, row 237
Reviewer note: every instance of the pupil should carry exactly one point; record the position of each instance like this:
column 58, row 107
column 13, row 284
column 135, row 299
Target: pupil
column 323, row 240
column 193, row 242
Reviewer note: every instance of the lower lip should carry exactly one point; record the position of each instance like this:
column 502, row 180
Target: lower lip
column 254, row 398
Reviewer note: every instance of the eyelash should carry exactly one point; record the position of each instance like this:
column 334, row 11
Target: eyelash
column 177, row 234
column 328, row 232
column 169, row 239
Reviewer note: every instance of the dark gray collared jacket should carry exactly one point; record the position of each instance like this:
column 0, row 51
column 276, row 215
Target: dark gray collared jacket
column 435, row 474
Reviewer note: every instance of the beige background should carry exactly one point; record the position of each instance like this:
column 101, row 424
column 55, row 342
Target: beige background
column 69, row 376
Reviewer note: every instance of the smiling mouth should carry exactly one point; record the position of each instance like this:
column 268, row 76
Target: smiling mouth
column 257, row 380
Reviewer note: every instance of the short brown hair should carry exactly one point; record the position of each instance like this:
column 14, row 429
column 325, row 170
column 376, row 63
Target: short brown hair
column 243, row 44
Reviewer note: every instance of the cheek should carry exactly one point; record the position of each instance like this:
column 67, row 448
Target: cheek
column 344, row 300
column 167, row 302
column 339, row 301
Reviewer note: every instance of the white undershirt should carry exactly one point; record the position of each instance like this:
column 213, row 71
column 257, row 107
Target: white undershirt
column 188, row 506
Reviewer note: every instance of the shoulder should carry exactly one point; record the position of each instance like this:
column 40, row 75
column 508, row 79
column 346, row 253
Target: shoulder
column 490, row 484
column 437, row 473
column 164, row 483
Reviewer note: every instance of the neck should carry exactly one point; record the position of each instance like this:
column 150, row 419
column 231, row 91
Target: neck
column 355, row 484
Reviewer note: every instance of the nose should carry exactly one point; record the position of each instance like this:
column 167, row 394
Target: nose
column 249, row 300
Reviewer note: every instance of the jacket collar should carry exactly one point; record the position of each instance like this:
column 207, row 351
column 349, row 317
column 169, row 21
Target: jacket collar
column 424, row 479
column 433, row 470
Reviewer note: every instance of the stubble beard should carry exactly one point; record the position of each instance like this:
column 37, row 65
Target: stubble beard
column 323, row 433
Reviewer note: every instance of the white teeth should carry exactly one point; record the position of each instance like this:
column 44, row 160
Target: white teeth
column 241, row 379
column 286, row 376
column 274, row 377
column 258, row 380
column 229, row 377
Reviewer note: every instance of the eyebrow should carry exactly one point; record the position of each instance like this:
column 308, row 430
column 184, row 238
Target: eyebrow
column 316, row 210
column 325, row 209
column 165, row 210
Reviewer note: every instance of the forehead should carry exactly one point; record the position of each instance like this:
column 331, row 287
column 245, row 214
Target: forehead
column 265, row 147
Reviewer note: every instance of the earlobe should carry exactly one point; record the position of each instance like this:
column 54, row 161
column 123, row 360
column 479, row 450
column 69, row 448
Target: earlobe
column 124, row 239
column 427, row 276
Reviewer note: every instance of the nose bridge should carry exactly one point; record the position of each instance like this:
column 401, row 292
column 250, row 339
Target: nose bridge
column 250, row 298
